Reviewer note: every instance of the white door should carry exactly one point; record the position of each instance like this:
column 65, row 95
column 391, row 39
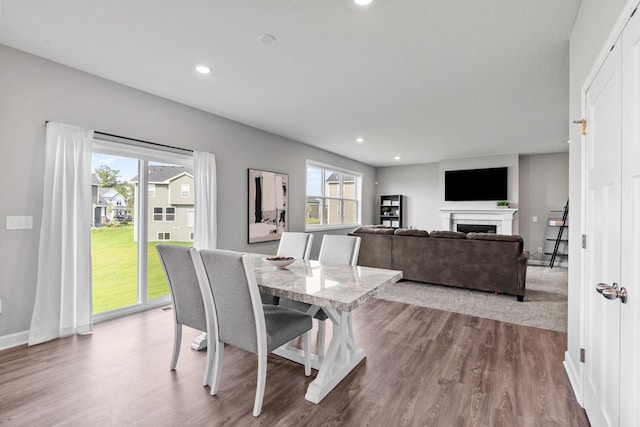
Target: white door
column 630, row 277
column 612, row 219
column 602, row 219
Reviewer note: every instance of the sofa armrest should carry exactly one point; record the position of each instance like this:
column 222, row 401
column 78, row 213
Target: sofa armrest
column 523, row 260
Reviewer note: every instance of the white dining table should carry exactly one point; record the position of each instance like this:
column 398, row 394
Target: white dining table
column 336, row 289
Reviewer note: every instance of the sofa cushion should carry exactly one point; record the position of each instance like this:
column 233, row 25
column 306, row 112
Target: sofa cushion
column 411, row 232
column 497, row 238
column 447, row 234
column 373, row 229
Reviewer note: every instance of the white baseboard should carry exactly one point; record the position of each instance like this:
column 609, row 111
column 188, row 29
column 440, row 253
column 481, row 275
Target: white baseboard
column 574, row 376
column 14, row 340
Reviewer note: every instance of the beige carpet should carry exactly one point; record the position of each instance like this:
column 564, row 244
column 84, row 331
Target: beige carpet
column 544, row 305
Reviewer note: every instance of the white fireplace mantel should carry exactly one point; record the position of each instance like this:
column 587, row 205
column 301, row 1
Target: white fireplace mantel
column 502, row 218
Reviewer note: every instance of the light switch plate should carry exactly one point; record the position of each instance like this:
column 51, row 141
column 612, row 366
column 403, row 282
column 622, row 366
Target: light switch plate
column 19, row 222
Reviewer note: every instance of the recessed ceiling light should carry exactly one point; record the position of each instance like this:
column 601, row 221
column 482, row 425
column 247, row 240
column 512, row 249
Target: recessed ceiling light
column 267, row 38
column 396, row 158
column 203, row 69
column 362, row 2
column 359, row 140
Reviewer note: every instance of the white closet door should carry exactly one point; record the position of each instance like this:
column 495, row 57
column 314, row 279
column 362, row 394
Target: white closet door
column 630, row 277
column 602, row 219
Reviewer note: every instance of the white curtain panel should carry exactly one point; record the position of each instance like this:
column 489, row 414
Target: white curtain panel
column 63, row 294
column 206, row 206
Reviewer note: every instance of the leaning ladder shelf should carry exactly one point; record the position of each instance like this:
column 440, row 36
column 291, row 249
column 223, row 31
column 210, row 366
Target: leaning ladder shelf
column 563, row 225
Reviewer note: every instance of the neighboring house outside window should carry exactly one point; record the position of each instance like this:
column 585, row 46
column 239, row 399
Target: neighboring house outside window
column 107, row 203
column 151, row 188
column 333, row 197
column 169, row 184
column 191, row 218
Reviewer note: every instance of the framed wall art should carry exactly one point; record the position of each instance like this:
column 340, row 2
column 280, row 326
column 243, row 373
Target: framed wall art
column 268, row 205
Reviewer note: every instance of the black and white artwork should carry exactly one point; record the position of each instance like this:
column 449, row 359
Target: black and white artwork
column 268, row 205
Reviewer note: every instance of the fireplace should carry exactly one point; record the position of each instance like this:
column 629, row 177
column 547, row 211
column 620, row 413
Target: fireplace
column 501, row 218
column 477, row 228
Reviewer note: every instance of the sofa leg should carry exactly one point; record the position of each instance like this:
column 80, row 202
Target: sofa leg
column 520, row 298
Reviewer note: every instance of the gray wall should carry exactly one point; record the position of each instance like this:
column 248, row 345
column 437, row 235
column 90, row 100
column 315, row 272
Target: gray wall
column 544, row 186
column 420, row 186
column 537, row 184
column 34, row 90
column 595, row 21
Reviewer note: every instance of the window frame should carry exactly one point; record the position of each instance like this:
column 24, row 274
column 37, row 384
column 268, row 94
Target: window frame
column 161, row 213
column 164, row 236
column 144, row 155
column 324, row 198
column 166, row 213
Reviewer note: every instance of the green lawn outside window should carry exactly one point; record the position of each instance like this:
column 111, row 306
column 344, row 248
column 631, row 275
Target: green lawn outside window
column 114, row 257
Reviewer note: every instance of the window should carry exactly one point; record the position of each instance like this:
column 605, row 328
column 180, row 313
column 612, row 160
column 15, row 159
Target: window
column 127, row 272
column 333, row 197
column 185, row 190
column 164, row 214
column 169, row 214
column 158, row 213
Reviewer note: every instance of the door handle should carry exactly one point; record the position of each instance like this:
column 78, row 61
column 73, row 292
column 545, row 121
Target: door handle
column 612, row 292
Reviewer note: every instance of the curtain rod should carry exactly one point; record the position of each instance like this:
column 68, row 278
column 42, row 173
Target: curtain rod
column 138, row 140
column 142, row 141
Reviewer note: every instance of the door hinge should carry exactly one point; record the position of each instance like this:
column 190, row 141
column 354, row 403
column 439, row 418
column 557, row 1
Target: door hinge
column 582, row 122
column 584, row 241
column 582, row 355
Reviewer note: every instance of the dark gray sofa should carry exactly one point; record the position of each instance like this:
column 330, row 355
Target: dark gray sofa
column 482, row 261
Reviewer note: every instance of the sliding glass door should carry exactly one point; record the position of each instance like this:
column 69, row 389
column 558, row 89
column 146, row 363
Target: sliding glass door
column 140, row 197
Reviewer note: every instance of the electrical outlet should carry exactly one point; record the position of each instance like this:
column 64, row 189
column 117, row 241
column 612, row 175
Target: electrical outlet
column 539, row 250
column 535, row 219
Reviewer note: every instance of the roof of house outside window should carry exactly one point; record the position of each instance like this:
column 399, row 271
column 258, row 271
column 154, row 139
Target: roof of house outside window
column 164, row 174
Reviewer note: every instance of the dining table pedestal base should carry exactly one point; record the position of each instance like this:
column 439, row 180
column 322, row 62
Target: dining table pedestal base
column 342, row 356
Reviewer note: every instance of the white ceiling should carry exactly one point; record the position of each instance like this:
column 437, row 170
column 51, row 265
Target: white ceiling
column 425, row 80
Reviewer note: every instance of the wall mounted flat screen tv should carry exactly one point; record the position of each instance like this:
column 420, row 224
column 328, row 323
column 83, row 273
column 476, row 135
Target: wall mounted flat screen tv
column 475, row 184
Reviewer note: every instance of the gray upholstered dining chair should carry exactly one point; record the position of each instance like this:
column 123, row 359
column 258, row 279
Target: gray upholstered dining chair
column 188, row 307
column 236, row 316
column 335, row 249
column 295, row 244
column 339, row 249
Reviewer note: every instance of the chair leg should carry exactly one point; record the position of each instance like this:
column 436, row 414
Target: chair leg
column 306, row 348
column 177, row 340
column 321, row 339
column 208, row 370
column 262, row 381
column 216, row 372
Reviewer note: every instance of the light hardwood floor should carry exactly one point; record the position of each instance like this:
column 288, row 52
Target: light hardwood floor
column 424, row 367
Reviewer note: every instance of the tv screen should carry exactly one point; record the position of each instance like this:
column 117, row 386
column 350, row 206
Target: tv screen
column 475, row 184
